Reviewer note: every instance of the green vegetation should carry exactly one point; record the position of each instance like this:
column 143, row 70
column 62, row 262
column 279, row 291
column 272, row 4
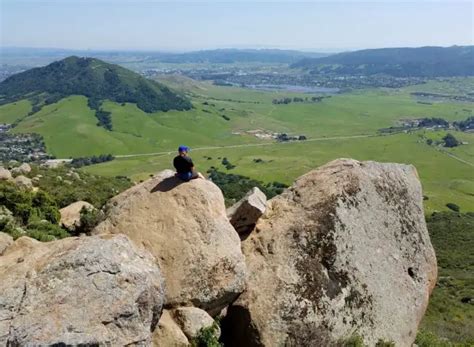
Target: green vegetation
column 94, row 79
column 353, row 341
column 445, row 179
column 234, row 187
column 36, row 214
column 26, row 213
column 89, row 219
column 66, row 188
column 207, row 337
column 449, row 320
column 85, row 161
column 450, row 141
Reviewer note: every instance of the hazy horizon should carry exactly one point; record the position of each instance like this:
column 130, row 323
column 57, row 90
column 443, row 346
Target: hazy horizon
column 316, row 26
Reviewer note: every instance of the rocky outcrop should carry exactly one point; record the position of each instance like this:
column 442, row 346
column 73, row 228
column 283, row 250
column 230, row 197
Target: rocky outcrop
column 5, row 174
column 97, row 290
column 71, row 214
column 244, row 214
column 191, row 320
column 184, row 225
column 168, row 333
column 23, row 169
column 5, row 242
column 343, row 251
column 23, row 182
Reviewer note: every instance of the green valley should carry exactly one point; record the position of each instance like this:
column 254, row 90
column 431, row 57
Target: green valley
column 341, row 125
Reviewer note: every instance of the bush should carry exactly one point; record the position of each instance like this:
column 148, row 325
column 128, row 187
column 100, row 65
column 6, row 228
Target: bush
column 234, row 187
column 89, row 220
column 207, row 337
column 453, row 207
column 353, row 341
column 45, row 231
column 428, row 339
column 450, row 141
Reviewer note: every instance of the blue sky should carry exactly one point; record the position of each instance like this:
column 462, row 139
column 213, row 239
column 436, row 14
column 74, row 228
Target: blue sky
column 190, row 25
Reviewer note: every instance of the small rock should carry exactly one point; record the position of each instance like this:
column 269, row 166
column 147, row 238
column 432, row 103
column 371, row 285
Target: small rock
column 5, row 175
column 191, row 320
column 244, row 214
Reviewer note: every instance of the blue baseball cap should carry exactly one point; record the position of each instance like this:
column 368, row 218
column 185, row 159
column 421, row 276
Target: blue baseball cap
column 183, row 148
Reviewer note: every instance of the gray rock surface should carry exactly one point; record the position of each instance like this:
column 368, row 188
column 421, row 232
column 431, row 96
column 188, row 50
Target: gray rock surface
column 344, row 250
column 184, row 225
column 191, row 320
column 97, row 290
column 5, row 242
column 245, row 213
column 71, row 214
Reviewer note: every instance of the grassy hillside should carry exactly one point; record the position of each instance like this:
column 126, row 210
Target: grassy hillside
column 92, row 78
column 329, row 125
column 450, row 313
column 400, row 62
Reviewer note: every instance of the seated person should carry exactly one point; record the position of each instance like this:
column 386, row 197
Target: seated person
column 184, row 165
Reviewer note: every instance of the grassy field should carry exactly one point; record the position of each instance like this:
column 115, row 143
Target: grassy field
column 284, row 162
column 69, row 129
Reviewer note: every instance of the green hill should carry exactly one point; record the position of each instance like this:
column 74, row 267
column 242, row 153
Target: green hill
column 96, row 80
column 398, row 62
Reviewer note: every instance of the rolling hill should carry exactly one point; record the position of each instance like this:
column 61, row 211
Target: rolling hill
column 94, row 79
column 229, row 56
column 398, row 62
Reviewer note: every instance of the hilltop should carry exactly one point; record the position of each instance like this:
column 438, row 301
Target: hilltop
column 94, row 79
column 398, row 62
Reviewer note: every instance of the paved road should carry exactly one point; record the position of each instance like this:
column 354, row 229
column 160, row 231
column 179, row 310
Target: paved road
column 248, row 145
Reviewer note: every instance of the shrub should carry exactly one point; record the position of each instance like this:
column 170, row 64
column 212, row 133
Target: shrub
column 428, row 339
column 353, row 341
column 450, row 141
column 89, row 219
column 453, row 207
column 207, row 337
column 383, row 343
column 45, row 231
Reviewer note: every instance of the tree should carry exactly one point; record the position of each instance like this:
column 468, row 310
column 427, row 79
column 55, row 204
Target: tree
column 450, row 141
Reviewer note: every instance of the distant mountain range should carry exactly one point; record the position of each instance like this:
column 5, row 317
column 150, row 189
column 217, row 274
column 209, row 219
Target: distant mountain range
column 397, row 62
column 25, row 56
column 228, row 56
column 94, row 79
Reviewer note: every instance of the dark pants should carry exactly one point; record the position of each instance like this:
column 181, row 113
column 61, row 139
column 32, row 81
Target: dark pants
column 186, row 176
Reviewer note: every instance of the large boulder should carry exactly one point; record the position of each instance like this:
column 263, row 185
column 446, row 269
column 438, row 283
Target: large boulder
column 343, row 251
column 23, row 182
column 185, row 226
column 23, row 169
column 98, row 290
column 5, row 174
column 71, row 214
column 244, row 214
column 5, row 242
